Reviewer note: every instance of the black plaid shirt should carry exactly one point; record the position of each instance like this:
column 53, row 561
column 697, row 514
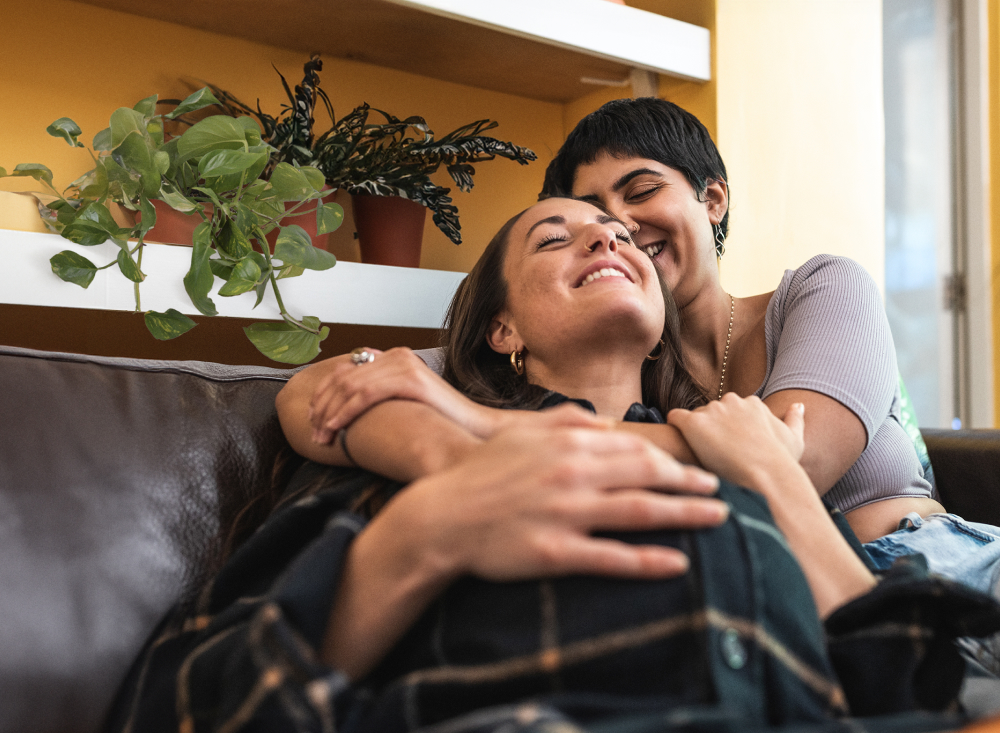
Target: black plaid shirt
column 734, row 645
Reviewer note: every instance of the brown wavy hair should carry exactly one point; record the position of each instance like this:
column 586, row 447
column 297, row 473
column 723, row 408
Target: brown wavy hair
column 486, row 377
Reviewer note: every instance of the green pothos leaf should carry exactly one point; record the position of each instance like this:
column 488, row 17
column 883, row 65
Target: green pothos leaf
column 148, row 215
column 329, row 217
column 290, row 271
column 221, row 269
column 233, row 241
column 193, row 102
column 73, row 268
column 102, row 140
column 68, row 130
column 92, row 225
column 285, row 342
column 199, row 278
column 243, row 278
column 128, row 267
column 294, row 247
column 169, row 325
column 146, row 107
column 31, row 170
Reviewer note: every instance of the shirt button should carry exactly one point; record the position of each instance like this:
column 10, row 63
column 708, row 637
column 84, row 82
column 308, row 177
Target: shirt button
column 733, row 649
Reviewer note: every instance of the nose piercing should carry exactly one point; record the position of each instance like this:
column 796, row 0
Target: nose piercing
column 632, row 231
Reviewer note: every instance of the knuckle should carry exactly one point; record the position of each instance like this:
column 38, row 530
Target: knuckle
column 550, row 549
column 567, row 473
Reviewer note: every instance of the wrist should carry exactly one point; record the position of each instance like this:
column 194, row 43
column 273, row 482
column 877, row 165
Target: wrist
column 485, row 422
column 778, row 478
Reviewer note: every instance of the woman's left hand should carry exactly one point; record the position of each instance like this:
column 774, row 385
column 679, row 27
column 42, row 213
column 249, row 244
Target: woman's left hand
column 736, row 436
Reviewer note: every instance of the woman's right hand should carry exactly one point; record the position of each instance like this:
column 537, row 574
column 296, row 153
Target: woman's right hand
column 526, row 503
column 348, row 390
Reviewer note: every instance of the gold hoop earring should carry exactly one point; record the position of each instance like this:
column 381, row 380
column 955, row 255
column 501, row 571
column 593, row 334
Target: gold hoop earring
column 658, row 354
column 517, row 361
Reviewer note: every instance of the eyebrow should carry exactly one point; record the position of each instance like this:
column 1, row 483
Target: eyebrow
column 618, row 185
column 557, row 219
column 624, row 180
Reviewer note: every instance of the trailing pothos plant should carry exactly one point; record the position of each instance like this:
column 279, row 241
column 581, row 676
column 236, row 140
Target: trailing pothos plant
column 383, row 156
column 214, row 170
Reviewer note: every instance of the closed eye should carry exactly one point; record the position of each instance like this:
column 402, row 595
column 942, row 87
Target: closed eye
column 640, row 193
column 549, row 239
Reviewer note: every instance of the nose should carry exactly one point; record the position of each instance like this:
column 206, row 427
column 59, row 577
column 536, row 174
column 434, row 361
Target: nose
column 600, row 236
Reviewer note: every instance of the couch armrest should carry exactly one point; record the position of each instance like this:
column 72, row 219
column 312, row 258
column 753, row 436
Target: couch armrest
column 967, row 470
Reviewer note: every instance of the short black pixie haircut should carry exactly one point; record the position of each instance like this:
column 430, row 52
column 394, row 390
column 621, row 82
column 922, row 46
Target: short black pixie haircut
column 641, row 128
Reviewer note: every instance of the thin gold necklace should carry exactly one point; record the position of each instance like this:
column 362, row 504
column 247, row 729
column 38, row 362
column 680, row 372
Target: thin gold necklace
column 729, row 338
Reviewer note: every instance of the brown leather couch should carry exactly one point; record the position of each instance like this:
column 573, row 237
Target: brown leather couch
column 114, row 477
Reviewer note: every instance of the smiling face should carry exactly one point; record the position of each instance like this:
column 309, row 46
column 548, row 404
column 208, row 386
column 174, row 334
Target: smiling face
column 675, row 224
column 575, row 282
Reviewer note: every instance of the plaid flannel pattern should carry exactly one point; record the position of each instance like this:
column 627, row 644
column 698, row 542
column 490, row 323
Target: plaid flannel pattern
column 734, row 645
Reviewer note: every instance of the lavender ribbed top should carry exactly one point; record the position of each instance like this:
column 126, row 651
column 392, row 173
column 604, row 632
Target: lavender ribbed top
column 826, row 331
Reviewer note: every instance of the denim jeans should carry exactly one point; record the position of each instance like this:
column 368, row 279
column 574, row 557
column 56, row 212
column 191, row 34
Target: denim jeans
column 966, row 552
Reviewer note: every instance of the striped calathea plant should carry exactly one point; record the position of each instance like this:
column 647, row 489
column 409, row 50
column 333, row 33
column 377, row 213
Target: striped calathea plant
column 220, row 170
column 368, row 151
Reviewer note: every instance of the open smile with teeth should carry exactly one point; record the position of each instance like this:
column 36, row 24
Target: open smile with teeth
column 603, row 272
column 653, row 249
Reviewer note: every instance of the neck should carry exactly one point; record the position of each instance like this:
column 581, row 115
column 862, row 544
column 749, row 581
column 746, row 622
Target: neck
column 611, row 383
column 704, row 326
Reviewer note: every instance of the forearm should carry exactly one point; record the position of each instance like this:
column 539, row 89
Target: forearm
column 834, row 572
column 405, row 440
column 401, row 439
column 665, row 437
column 388, row 582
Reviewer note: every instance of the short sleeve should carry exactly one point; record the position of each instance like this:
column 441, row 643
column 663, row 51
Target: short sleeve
column 827, row 332
column 433, row 358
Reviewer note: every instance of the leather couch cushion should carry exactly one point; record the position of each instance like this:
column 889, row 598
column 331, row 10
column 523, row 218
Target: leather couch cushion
column 967, row 471
column 113, row 474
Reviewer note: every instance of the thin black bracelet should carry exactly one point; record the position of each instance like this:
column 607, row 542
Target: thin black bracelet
column 342, row 439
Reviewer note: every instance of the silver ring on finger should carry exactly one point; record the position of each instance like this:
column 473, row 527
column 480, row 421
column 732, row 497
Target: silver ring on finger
column 362, row 356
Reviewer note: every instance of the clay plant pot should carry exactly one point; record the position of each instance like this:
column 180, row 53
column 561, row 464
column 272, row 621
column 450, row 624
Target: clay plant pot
column 307, row 221
column 390, row 229
column 172, row 226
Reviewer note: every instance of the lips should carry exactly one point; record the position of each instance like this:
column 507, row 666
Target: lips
column 605, row 269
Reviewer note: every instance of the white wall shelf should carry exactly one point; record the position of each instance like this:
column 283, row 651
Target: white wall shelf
column 541, row 49
column 350, row 293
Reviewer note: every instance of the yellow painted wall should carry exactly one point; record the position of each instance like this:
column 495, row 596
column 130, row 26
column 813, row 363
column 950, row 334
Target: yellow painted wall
column 66, row 59
column 801, row 129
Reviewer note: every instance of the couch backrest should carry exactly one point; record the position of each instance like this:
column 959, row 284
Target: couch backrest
column 113, row 473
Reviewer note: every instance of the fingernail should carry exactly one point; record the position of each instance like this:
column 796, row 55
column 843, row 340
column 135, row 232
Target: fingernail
column 723, row 511
column 800, row 408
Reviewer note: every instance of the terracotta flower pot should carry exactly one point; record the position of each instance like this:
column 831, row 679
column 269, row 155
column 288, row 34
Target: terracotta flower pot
column 172, row 226
column 390, row 229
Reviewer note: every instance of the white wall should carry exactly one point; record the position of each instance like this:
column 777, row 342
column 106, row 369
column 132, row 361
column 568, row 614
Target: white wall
column 800, row 127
